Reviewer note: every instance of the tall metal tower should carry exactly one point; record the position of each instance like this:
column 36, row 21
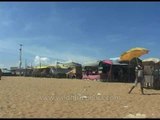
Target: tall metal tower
column 20, row 58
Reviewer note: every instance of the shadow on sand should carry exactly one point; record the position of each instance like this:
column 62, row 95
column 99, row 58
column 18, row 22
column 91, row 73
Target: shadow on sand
column 152, row 94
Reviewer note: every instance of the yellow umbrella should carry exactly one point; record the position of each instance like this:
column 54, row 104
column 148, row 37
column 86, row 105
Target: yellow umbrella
column 133, row 53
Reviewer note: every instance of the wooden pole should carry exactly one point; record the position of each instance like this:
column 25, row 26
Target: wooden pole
column 129, row 70
column 109, row 74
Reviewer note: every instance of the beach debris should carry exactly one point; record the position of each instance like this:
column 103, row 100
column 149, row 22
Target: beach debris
column 125, row 106
column 19, row 113
column 84, row 89
column 98, row 93
column 84, row 97
column 130, row 116
column 138, row 115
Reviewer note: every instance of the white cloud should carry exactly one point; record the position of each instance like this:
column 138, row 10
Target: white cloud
column 51, row 57
column 115, row 58
column 34, row 52
column 41, row 60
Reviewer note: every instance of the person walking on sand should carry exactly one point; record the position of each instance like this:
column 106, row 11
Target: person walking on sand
column 0, row 73
column 139, row 77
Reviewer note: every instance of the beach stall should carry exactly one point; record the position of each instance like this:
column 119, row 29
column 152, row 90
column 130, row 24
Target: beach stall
column 106, row 71
column 151, row 73
column 90, row 70
column 40, row 71
column 50, row 71
column 74, row 70
column 120, row 72
column 28, row 71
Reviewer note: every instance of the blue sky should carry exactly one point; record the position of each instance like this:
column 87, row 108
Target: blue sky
column 76, row 31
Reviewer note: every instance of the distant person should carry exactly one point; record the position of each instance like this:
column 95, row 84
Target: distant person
column 139, row 77
column 0, row 74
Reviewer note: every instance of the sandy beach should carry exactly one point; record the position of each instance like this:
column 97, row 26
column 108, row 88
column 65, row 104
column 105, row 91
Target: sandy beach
column 29, row 97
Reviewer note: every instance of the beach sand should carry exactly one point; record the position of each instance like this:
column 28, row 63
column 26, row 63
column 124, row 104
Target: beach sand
column 29, row 97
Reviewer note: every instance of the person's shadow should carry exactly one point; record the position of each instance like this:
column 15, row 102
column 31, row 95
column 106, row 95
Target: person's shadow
column 151, row 93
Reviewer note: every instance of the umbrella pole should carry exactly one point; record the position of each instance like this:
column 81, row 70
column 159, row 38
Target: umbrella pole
column 109, row 76
column 129, row 71
column 137, row 60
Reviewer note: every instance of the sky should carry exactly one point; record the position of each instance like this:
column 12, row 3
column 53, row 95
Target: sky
column 76, row 31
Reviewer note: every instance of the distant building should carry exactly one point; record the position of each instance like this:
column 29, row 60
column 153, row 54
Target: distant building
column 16, row 70
column 6, row 72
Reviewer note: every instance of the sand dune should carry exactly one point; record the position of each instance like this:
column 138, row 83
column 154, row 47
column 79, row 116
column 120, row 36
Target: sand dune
column 28, row 97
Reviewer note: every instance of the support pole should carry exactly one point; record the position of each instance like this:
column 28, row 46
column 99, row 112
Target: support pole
column 20, row 60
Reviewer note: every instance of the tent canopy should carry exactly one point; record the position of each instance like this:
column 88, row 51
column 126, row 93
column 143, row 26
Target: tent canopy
column 107, row 62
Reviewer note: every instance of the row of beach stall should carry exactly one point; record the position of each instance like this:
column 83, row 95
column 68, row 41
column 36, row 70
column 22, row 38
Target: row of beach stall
column 117, row 70
column 102, row 70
